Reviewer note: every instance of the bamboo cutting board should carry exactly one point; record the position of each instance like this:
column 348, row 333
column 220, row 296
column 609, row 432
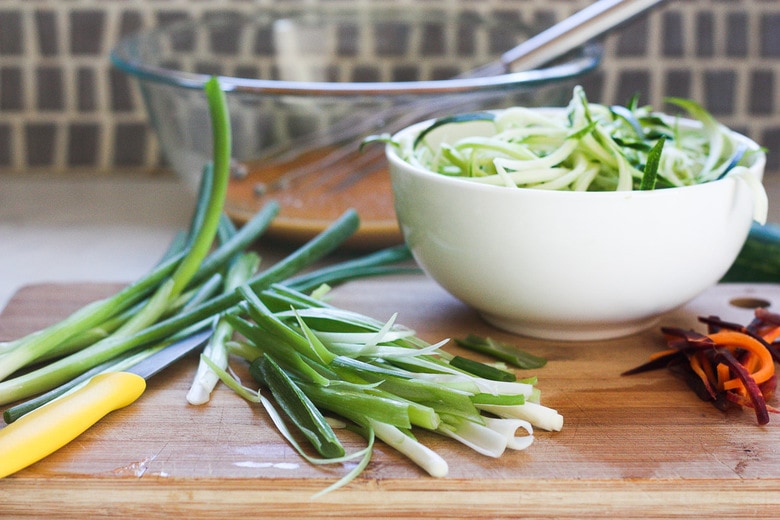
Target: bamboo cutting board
column 632, row 447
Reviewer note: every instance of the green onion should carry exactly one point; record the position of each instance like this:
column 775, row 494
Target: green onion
column 479, row 437
column 65, row 369
column 481, row 369
column 404, row 443
column 167, row 289
column 536, row 414
column 381, row 377
column 368, row 265
column 360, row 404
column 650, row 177
column 178, row 294
column 216, row 350
column 503, row 400
column 503, row 351
column 298, row 407
column 254, row 397
column 114, row 365
column 32, row 347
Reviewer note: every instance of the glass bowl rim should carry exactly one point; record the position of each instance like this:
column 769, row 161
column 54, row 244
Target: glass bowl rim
column 126, row 57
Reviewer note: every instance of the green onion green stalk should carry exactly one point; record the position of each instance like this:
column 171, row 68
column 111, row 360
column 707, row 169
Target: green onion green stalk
column 321, row 363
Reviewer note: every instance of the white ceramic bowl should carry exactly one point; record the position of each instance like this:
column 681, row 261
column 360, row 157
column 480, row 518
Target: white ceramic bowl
column 570, row 265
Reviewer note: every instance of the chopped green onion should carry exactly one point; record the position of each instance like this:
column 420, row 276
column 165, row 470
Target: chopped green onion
column 299, row 408
column 481, row 369
column 503, row 351
column 380, row 376
column 650, row 177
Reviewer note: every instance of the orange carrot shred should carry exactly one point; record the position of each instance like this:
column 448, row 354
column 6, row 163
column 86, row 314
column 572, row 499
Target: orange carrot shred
column 724, row 374
column 663, row 353
column 735, row 363
column 735, row 340
column 771, row 335
column 698, row 369
column 708, row 369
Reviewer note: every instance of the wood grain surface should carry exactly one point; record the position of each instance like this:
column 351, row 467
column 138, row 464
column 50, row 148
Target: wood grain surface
column 632, row 447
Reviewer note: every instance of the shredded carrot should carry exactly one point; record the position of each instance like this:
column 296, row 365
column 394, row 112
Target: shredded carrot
column 751, row 362
column 663, row 353
column 734, row 340
column 708, row 369
column 735, row 363
column 771, row 335
column 735, row 385
column 696, row 366
column 724, row 374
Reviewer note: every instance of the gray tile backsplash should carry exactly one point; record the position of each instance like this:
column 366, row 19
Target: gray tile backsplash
column 64, row 108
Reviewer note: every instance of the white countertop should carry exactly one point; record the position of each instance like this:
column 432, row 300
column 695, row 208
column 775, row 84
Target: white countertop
column 56, row 229
column 113, row 229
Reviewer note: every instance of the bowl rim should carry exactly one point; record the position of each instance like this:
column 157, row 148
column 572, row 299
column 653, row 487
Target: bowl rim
column 125, row 56
column 393, row 156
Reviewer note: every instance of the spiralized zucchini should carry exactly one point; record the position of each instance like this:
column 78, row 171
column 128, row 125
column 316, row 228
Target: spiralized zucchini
column 586, row 147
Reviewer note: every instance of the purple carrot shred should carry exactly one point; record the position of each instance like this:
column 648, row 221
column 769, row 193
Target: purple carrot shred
column 754, row 392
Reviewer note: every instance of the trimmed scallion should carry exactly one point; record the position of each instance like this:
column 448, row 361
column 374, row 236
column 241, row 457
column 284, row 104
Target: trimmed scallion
column 501, row 350
column 216, row 349
column 298, row 407
column 382, row 377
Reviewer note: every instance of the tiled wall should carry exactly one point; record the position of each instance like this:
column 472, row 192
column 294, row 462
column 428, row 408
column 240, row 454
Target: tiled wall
column 63, row 108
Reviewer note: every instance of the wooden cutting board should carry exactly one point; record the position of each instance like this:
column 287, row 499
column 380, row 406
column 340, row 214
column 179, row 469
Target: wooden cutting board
column 632, row 447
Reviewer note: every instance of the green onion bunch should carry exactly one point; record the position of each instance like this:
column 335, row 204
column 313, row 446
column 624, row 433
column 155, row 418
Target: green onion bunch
column 314, row 365
column 188, row 290
column 322, row 364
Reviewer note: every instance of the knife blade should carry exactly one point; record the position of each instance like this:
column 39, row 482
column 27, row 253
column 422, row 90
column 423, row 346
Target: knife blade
column 50, row 427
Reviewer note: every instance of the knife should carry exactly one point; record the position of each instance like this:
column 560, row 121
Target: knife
column 50, row 427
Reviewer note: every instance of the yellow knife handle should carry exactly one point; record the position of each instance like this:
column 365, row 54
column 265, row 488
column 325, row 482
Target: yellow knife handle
column 50, row 427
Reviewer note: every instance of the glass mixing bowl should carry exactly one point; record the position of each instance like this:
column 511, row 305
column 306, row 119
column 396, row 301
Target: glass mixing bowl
column 302, row 84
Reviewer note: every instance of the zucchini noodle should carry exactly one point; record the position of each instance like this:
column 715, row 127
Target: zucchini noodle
column 584, row 147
